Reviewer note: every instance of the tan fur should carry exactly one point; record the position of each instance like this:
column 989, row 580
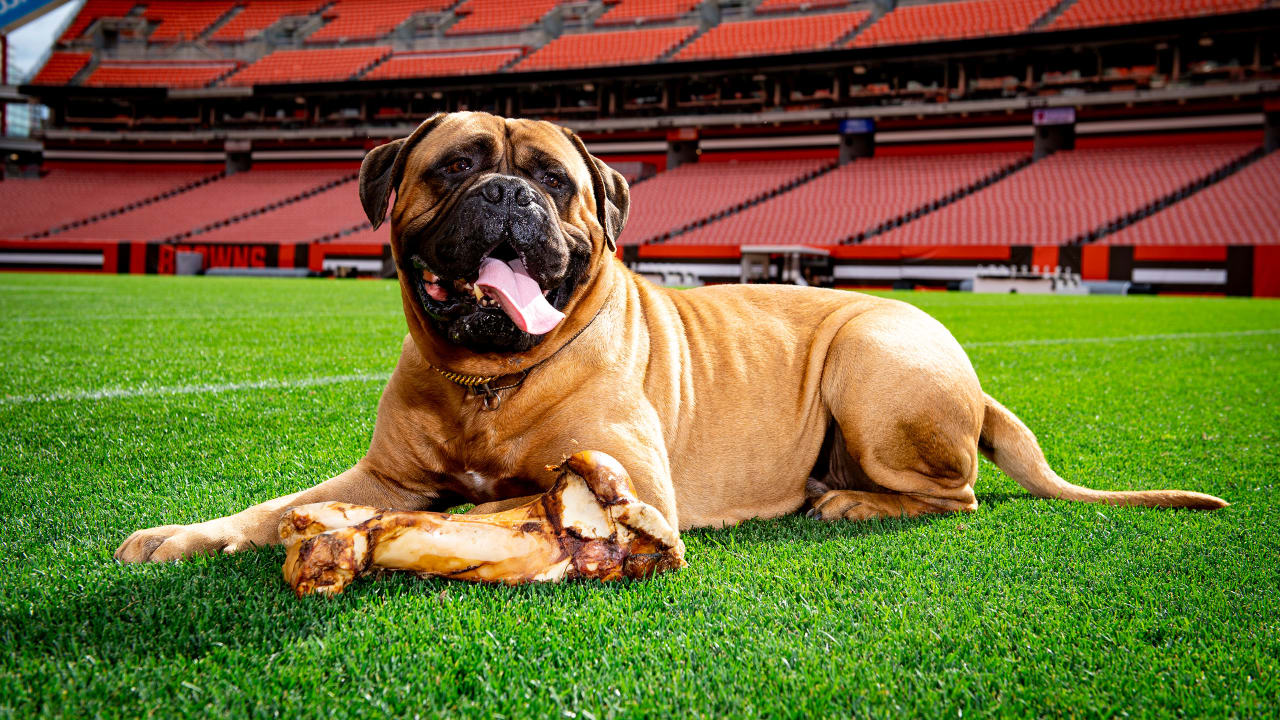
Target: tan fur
column 716, row 400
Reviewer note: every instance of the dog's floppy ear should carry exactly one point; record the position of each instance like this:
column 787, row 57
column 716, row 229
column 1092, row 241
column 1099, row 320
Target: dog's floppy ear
column 383, row 168
column 613, row 198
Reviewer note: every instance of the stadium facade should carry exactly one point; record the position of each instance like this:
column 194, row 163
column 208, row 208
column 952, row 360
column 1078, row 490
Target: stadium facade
column 862, row 143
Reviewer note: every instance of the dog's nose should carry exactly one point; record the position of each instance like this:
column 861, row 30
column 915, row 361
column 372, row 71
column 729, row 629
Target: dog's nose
column 512, row 190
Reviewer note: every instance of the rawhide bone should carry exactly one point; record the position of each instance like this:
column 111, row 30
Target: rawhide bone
column 588, row 525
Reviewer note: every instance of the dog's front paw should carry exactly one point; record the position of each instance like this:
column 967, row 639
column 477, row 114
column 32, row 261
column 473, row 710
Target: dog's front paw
column 174, row 542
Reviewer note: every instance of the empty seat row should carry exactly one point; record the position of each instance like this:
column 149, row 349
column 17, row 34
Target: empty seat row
column 62, row 67
column 622, row 47
column 291, row 66
column 1091, row 13
column 214, row 202
column 258, row 15
column 499, row 16
column 183, row 20
column 688, row 194
column 625, row 12
column 772, row 36
column 441, row 63
column 1242, row 209
column 850, row 200
column 68, row 193
column 158, row 73
column 370, row 19
column 952, row 20
column 1065, row 196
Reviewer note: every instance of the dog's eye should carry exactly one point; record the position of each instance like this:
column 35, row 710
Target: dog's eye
column 553, row 181
column 458, row 166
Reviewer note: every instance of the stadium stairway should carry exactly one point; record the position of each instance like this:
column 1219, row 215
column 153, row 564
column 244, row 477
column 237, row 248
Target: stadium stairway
column 254, row 212
column 1182, row 193
column 739, row 207
column 158, row 197
column 938, row 204
column 1053, row 13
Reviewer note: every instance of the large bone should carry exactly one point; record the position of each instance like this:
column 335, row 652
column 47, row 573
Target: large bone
column 588, row 525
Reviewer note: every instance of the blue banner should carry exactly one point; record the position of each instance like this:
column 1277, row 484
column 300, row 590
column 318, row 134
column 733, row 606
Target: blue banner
column 16, row 13
column 857, row 126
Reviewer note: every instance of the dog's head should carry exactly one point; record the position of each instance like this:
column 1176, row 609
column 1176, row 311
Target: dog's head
column 497, row 228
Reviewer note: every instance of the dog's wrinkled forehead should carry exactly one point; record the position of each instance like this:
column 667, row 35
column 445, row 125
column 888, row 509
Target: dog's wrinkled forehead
column 508, row 146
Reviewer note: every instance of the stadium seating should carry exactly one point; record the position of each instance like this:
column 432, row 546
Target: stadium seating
column 71, row 192
column 952, row 20
column 849, row 200
column 440, row 63
column 1091, row 13
column 61, row 68
column 370, row 19
column 287, row 66
column 622, row 47
column 772, row 36
column 213, row 202
column 311, row 218
column 94, row 9
column 1242, row 209
column 183, row 20
column 258, row 15
column 158, row 73
column 772, row 6
column 674, row 199
column 1064, row 196
column 499, row 16
column 627, row 12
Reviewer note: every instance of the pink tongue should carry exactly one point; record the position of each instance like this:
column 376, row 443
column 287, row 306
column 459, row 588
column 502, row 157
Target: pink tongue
column 519, row 295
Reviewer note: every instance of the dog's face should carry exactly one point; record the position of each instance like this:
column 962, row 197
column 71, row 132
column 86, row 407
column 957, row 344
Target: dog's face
column 496, row 226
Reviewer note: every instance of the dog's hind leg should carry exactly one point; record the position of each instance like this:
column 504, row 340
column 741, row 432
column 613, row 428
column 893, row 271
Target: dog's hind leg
column 909, row 410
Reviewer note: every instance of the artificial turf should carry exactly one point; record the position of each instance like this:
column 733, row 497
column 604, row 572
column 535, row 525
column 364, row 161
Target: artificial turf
column 129, row 402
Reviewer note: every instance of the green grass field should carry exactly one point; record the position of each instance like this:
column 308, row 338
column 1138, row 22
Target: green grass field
column 128, row 402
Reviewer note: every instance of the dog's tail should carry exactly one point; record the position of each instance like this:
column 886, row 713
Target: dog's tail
column 1011, row 445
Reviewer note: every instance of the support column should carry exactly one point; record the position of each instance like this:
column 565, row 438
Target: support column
column 239, row 155
column 857, row 139
column 1055, row 130
column 1271, row 133
column 682, row 147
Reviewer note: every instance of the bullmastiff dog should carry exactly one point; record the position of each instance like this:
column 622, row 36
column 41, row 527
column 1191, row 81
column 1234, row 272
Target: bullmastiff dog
column 528, row 341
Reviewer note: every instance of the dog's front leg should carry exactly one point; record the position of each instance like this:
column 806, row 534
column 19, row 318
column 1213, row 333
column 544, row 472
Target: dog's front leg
column 258, row 525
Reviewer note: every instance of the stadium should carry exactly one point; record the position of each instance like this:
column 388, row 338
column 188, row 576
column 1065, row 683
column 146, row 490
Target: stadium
column 173, row 169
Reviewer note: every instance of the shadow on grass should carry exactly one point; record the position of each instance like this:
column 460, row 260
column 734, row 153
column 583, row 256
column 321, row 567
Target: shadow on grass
column 122, row 613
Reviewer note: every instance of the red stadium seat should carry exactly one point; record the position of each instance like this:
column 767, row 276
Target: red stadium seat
column 771, row 6
column 622, row 47
column 499, row 16
column 674, row 199
column 70, row 192
column 440, row 63
column 320, row 215
column 1091, row 13
column 849, row 200
column 258, row 15
column 1064, row 196
column 627, row 12
column 1242, row 209
column 772, row 36
column 183, row 20
column 61, row 67
column 290, row 66
column 214, row 202
column 158, row 73
column 952, row 20
column 370, row 19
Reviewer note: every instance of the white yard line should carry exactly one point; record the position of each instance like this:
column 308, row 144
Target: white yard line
column 212, row 389
column 1123, row 338
column 202, row 389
